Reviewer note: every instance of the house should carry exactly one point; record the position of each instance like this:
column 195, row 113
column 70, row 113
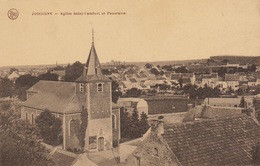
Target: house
column 13, row 76
column 230, row 140
column 91, row 92
column 232, row 80
column 202, row 112
column 210, row 79
column 131, row 104
column 169, row 104
column 222, row 102
column 187, row 78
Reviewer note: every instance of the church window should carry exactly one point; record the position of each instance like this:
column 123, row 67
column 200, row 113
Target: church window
column 99, row 87
column 73, row 127
column 32, row 119
column 137, row 161
column 81, row 87
column 113, row 122
column 26, row 116
column 155, row 152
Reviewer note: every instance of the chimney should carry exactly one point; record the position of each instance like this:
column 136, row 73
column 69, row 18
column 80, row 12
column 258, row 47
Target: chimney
column 157, row 126
column 190, row 106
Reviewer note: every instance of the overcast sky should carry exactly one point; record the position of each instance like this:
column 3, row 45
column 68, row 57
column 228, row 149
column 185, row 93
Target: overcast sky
column 151, row 30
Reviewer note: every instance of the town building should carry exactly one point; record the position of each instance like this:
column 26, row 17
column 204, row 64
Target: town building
column 92, row 92
column 231, row 140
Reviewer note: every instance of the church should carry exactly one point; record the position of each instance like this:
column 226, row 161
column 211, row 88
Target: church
column 91, row 92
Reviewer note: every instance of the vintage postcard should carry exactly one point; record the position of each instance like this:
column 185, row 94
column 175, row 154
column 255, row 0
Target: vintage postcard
column 130, row 82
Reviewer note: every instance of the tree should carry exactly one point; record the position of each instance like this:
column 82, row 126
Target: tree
column 23, row 83
column 242, row 102
column 180, row 80
column 116, row 93
column 49, row 127
column 124, row 123
column 74, row 71
column 181, row 69
column 148, row 65
column 48, row 76
column 6, row 87
column 143, row 124
column 133, row 92
column 154, row 71
column 18, row 142
column 83, row 127
column 135, row 132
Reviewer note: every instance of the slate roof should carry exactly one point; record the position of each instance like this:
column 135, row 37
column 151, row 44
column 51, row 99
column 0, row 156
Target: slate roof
column 224, row 141
column 58, row 97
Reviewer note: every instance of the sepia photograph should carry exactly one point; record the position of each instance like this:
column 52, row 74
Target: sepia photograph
column 130, row 83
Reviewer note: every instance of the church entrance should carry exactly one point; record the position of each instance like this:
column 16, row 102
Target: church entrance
column 101, row 142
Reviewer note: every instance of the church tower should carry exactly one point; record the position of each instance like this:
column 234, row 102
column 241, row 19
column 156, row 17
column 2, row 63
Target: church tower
column 94, row 90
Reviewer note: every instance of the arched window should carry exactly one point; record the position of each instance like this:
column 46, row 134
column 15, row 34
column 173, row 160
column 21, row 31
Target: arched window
column 73, row 127
column 32, row 118
column 99, row 87
column 26, row 116
column 155, row 152
column 113, row 121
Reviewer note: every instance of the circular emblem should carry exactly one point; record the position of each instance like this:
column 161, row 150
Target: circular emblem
column 13, row 14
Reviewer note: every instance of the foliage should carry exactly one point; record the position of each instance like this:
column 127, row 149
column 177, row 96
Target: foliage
column 134, row 125
column 74, row 71
column 242, row 103
column 131, row 125
column 133, row 92
column 116, row 93
column 144, row 126
column 124, row 123
column 148, row 65
column 18, row 142
column 201, row 93
column 12, row 70
column 83, row 127
column 181, row 69
column 180, row 80
column 154, row 71
column 162, row 86
column 48, row 76
column 6, row 87
column 168, row 68
column 23, row 83
column 49, row 127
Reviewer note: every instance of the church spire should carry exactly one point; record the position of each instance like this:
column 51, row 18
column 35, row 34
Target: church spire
column 92, row 70
column 92, row 36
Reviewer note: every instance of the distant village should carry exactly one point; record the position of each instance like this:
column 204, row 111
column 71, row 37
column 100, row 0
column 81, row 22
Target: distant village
column 195, row 113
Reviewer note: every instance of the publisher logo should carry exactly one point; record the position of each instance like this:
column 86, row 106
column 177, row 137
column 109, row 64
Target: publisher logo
column 13, row 14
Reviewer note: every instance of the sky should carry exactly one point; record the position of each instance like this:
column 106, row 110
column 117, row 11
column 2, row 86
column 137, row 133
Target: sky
column 151, row 30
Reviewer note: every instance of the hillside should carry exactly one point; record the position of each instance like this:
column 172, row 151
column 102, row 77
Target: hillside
column 162, row 63
column 238, row 59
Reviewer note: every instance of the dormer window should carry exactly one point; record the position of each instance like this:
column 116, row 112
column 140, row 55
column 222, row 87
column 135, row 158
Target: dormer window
column 100, row 87
column 81, row 87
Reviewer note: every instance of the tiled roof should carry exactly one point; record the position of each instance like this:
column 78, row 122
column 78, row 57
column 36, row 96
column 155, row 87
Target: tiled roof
column 225, row 141
column 59, row 97
column 209, row 112
column 168, row 105
column 231, row 77
column 175, row 76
